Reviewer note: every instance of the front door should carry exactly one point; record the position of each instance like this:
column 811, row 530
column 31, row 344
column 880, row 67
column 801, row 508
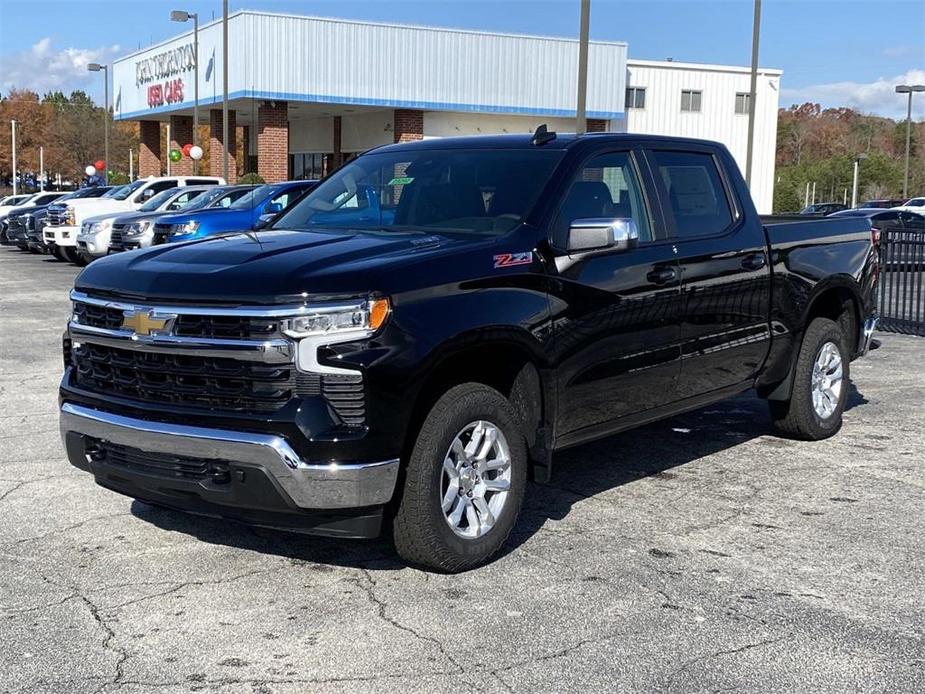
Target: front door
column 615, row 313
column 725, row 272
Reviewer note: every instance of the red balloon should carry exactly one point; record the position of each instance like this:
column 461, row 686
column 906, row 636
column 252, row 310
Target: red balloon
column 186, row 149
column 99, row 164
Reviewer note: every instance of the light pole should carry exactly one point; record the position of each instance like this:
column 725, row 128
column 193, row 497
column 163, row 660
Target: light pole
column 854, row 185
column 41, row 168
column 181, row 16
column 908, row 89
column 13, row 131
column 96, row 67
column 225, row 90
column 581, row 122
column 752, row 96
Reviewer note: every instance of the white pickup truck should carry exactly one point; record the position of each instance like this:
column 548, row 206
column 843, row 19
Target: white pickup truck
column 64, row 220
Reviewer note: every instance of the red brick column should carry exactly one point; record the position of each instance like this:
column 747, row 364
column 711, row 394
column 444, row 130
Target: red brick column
column 409, row 125
column 217, row 148
column 181, row 133
column 149, row 148
column 596, row 125
column 273, row 141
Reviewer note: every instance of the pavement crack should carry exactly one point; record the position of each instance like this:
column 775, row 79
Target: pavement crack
column 718, row 654
column 369, row 587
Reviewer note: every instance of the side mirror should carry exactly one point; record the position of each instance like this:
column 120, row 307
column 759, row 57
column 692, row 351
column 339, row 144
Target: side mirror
column 273, row 208
column 595, row 234
column 264, row 221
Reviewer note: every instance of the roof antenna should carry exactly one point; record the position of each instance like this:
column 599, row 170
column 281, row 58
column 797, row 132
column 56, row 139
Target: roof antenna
column 542, row 135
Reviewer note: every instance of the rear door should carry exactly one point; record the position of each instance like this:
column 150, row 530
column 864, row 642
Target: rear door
column 616, row 313
column 725, row 272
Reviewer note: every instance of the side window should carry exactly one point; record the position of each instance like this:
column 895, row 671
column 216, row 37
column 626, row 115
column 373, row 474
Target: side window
column 606, row 188
column 695, row 192
column 156, row 188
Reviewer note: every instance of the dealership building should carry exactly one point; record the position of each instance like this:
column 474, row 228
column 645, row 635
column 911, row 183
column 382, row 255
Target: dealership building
column 308, row 93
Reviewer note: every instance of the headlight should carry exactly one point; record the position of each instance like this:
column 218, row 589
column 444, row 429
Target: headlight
column 329, row 325
column 366, row 317
column 138, row 228
column 188, row 228
column 28, row 221
column 71, row 218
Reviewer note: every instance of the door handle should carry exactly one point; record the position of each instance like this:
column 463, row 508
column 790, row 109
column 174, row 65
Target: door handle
column 662, row 275
column 755, row 261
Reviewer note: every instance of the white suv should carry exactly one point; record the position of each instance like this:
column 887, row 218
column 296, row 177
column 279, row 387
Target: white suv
column 64, row 221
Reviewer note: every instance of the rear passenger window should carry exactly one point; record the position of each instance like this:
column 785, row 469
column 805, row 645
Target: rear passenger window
column 606, row 188
column 695, row 193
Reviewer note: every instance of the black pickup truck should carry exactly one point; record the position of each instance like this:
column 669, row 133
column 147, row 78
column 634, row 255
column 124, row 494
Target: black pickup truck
column 415, row 339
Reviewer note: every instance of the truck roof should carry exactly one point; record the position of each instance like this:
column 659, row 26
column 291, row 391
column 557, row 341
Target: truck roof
column 525, row 141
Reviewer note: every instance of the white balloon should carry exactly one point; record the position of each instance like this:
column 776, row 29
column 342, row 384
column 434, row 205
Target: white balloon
column 195, row 152
column 91, row 170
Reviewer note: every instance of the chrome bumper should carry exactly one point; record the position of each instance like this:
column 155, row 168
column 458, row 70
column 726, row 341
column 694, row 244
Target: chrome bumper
column 331, row 485
column 870, row 325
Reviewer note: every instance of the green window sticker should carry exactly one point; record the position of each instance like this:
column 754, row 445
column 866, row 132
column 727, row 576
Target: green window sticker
column 402, row 181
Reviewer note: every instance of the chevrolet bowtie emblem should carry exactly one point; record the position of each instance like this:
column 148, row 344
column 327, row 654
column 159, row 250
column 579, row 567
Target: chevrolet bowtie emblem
column 147, row 322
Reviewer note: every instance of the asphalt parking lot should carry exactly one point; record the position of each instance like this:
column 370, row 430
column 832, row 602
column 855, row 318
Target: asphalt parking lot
column 700, row 554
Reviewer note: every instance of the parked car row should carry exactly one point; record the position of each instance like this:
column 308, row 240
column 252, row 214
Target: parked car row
column 824, row 209
column 89, row 223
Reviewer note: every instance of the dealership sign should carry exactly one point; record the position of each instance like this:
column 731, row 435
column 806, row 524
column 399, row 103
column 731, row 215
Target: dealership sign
column 163, row 69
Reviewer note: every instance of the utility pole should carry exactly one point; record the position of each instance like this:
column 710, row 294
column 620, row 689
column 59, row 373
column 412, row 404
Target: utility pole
column 131, row 165
column 13, row 130
column 752, row 95
column 96, row 67
column 183, row 16
column 908, row 89
column 854, row 185
column 225, row 89
column 581, row 123
column 41, row 168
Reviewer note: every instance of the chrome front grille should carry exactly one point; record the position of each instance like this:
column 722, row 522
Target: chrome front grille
column 115, row 237
column 178, row 379
column 57, row 216
column 229, row 360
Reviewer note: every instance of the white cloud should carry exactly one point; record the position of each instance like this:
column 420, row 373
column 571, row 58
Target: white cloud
column 877, row 97
column 43, row 68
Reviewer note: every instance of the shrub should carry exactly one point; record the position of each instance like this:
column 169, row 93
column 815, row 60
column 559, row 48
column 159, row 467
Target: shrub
column 251, row 179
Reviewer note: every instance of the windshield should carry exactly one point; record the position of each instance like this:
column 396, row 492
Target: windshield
column 125, row 191
column 205, row 199
column 115, row 192
column 161, row 198
column 16, row 199
column 486, row 192
column 253, row 198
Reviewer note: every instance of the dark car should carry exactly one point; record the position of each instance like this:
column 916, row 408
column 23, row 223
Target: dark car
column 823, row 209
column 904, row 228
column 505, row 298
column 33, row 219
column 881, row 204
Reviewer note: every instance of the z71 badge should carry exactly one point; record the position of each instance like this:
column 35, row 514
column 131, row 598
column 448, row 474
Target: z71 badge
column 511, row 259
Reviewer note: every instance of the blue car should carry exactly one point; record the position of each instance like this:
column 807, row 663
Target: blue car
column 248, row 212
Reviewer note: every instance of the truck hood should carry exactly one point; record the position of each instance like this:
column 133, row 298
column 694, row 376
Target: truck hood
column 91, row 207
column 129, row 217
column 183, row 218
column 267, row 267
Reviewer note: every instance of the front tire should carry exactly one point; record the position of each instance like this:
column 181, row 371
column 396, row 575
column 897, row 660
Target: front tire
column 820, row 385
column 464, row 481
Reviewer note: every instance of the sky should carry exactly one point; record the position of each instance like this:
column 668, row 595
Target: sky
column 834, row 52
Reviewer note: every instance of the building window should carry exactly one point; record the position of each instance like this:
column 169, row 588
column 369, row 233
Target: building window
column 635, row 97
column 743, row 102
column 690, row 100
column 308, row 165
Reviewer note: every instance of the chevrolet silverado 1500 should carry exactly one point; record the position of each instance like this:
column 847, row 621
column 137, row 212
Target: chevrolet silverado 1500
column 417, row 357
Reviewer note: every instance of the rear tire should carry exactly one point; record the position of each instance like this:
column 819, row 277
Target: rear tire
column 460, row 499
column 820, row 385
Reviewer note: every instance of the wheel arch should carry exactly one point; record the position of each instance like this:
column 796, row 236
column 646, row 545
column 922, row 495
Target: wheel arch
column 508, row 360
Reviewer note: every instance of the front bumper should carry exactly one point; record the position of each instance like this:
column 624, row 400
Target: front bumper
column 302, row 484
column 92, row 246
column 61, row 236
